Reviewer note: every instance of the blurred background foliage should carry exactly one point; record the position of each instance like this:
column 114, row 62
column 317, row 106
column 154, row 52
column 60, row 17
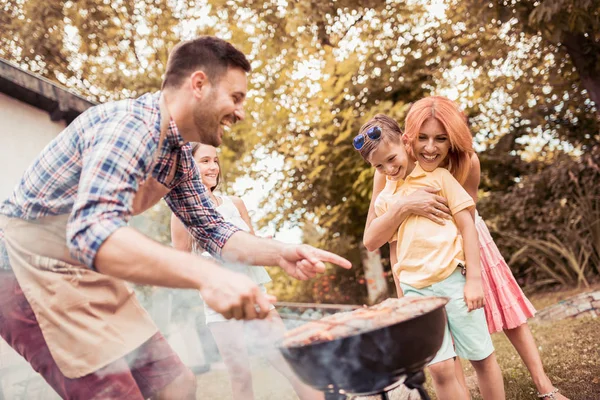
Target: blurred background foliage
column 527, row 74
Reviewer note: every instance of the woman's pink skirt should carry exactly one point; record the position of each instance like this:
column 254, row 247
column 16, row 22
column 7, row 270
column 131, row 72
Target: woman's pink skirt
column 506, row 306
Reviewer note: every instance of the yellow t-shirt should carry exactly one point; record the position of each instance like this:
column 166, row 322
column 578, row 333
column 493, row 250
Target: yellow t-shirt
column 427, row 252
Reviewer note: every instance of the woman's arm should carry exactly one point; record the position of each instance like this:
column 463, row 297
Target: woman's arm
column 473, row 288
column 239, row 204
column 423, row 202
column 471, row 185
column 180, row 237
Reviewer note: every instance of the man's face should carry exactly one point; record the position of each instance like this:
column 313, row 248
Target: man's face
column 221, row 106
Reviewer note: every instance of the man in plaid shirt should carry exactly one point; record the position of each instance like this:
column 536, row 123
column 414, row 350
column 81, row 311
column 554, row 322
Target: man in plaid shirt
column 66, row 248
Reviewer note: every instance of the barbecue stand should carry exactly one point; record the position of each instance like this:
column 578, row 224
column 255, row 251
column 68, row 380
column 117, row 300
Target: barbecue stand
column 413, row 381
column 371, row 362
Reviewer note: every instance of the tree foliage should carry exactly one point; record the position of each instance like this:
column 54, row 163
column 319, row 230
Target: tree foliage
column 526, row 73
column 551, row 231
column 521, row 60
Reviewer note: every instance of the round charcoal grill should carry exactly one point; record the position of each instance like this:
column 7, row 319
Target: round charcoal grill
column 371, row 362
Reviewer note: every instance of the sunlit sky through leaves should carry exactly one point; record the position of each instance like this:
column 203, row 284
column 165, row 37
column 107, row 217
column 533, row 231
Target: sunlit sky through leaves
column 310, row 74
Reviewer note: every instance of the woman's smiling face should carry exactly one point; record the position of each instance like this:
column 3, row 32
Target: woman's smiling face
column 431, row 146
column 208, row 165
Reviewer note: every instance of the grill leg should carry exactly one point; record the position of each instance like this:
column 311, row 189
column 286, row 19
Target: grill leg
column 335, row 396
column 416, row 381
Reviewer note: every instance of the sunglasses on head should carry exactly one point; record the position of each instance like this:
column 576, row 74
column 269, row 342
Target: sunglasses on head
column 374, row 134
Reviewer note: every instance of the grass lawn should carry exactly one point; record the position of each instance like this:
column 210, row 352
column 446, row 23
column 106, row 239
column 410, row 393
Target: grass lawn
column 570, row 350
column 552, row 296
column 268, row 383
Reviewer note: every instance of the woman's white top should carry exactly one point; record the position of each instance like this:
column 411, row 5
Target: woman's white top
column 232, row 215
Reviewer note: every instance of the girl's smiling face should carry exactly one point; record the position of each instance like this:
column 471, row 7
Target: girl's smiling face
column 431, row 146
column 208, row 165
column 391, row 159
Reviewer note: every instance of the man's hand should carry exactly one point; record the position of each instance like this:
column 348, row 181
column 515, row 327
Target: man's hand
column 233, row 295
column 305, row 262
column 474, row 294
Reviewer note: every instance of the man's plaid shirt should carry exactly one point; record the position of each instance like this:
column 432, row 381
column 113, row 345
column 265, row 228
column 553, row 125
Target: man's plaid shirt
column 93, row 169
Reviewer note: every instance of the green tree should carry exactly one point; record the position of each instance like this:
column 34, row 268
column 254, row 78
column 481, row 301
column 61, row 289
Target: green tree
column 321, row 69
column 522, row 84
column 573, row 26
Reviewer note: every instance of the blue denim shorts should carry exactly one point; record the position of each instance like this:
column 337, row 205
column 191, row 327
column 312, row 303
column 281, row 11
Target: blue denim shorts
column 468, row 330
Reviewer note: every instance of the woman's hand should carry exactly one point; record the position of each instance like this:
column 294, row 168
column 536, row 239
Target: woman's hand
column 426, row 203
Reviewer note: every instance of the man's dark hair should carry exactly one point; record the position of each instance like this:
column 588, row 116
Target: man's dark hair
column 207, row 53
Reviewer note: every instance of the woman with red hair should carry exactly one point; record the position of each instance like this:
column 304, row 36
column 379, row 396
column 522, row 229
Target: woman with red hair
column 437, row 135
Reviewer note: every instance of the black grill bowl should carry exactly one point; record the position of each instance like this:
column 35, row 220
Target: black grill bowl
column 370, row 361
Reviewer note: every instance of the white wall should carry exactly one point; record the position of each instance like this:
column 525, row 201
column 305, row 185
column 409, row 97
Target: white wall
column 24, row 132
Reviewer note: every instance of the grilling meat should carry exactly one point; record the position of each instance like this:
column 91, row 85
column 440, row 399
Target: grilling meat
column 388, row 312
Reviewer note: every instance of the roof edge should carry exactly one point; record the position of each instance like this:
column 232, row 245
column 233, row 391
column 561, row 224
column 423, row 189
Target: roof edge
column 41, row 93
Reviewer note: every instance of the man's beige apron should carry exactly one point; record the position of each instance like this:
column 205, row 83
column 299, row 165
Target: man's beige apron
column 88, row 319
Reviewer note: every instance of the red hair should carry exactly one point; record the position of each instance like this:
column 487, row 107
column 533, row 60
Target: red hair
column 454, row 122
